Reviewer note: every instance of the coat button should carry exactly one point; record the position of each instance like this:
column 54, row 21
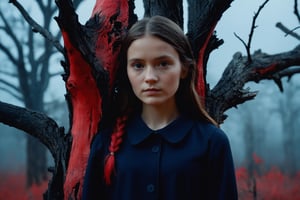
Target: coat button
column 155, row 149
column 150, row 188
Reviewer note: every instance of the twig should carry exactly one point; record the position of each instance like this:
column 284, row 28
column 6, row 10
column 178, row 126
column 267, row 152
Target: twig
column 6, row 73
column 296, row 10
column 244, row 43
column 16, row 96
column 287, row 31
column 252, row 29
column 36, row 27
column 253, row 26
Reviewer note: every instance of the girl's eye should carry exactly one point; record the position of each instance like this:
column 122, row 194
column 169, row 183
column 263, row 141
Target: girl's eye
column 163, row 64
column 137, row 65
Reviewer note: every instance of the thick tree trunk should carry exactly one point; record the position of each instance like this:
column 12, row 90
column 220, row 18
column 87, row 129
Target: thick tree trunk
column 97, row 42
column 91, row 52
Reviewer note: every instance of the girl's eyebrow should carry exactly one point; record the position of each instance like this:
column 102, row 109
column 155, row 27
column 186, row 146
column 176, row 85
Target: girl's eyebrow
column 135, row 60
column 164, row 57
column 156, row 58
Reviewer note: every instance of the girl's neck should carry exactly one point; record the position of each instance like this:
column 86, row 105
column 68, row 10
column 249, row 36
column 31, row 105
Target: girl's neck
column 157, row 117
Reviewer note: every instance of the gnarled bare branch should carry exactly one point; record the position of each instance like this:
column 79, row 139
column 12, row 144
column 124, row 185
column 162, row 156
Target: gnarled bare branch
column 229, row 91
column 36, row 124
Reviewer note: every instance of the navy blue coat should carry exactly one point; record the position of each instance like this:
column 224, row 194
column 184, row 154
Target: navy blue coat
column 185, row 160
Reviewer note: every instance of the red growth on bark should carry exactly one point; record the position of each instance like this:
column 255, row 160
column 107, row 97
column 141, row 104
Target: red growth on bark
column 107, row 35
column 13, row 187
column 201, row 87
column 268, row 69
column 85, row 97
column 86, row 102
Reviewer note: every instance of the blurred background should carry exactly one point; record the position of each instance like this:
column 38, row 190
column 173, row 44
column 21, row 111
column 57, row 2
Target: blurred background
column 264, row 133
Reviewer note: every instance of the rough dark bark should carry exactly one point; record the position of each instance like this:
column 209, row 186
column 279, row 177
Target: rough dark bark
column 173, row 9
column 46, row 130
column 229, row 91
column 91, row 53
column 203, row 17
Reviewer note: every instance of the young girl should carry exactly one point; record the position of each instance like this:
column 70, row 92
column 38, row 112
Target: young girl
column 163, row 144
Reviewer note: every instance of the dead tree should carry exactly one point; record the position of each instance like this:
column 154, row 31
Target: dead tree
column 29, row 70
column 90, row 52
column 288, row 117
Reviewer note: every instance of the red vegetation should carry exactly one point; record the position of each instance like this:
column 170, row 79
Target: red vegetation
column 257, row 160
column 273, row 184
column 13, row 187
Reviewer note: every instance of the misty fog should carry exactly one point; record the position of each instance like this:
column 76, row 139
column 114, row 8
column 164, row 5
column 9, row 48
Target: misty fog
column 267, row 126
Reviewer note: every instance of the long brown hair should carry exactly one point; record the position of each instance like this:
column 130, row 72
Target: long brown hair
column 187, row 99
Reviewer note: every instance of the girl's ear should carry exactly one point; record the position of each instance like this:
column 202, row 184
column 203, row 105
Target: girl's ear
column 184, row 72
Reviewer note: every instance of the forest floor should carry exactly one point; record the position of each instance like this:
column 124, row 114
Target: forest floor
column 271, row 185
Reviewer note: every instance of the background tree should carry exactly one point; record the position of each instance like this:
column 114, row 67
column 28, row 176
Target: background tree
column 253, row 133
column 27, row 70
column 90, row 61
column 289, row 116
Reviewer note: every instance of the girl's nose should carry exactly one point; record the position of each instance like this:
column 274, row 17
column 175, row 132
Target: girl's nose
column 150, row 75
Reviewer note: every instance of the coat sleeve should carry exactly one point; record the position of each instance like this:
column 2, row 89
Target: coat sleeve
column 93, row 186
column 223, row 181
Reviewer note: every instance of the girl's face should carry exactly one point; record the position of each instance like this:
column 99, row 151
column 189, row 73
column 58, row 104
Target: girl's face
column 154, row 70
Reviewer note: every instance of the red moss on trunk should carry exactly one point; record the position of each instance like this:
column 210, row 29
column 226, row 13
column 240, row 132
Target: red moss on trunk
column 269, row 69
column 86, row 102
column 201, row 84
column 116, row 14
column 85, row 97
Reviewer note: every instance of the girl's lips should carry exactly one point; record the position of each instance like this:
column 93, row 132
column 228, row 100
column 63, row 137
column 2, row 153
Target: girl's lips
column 151, row 91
